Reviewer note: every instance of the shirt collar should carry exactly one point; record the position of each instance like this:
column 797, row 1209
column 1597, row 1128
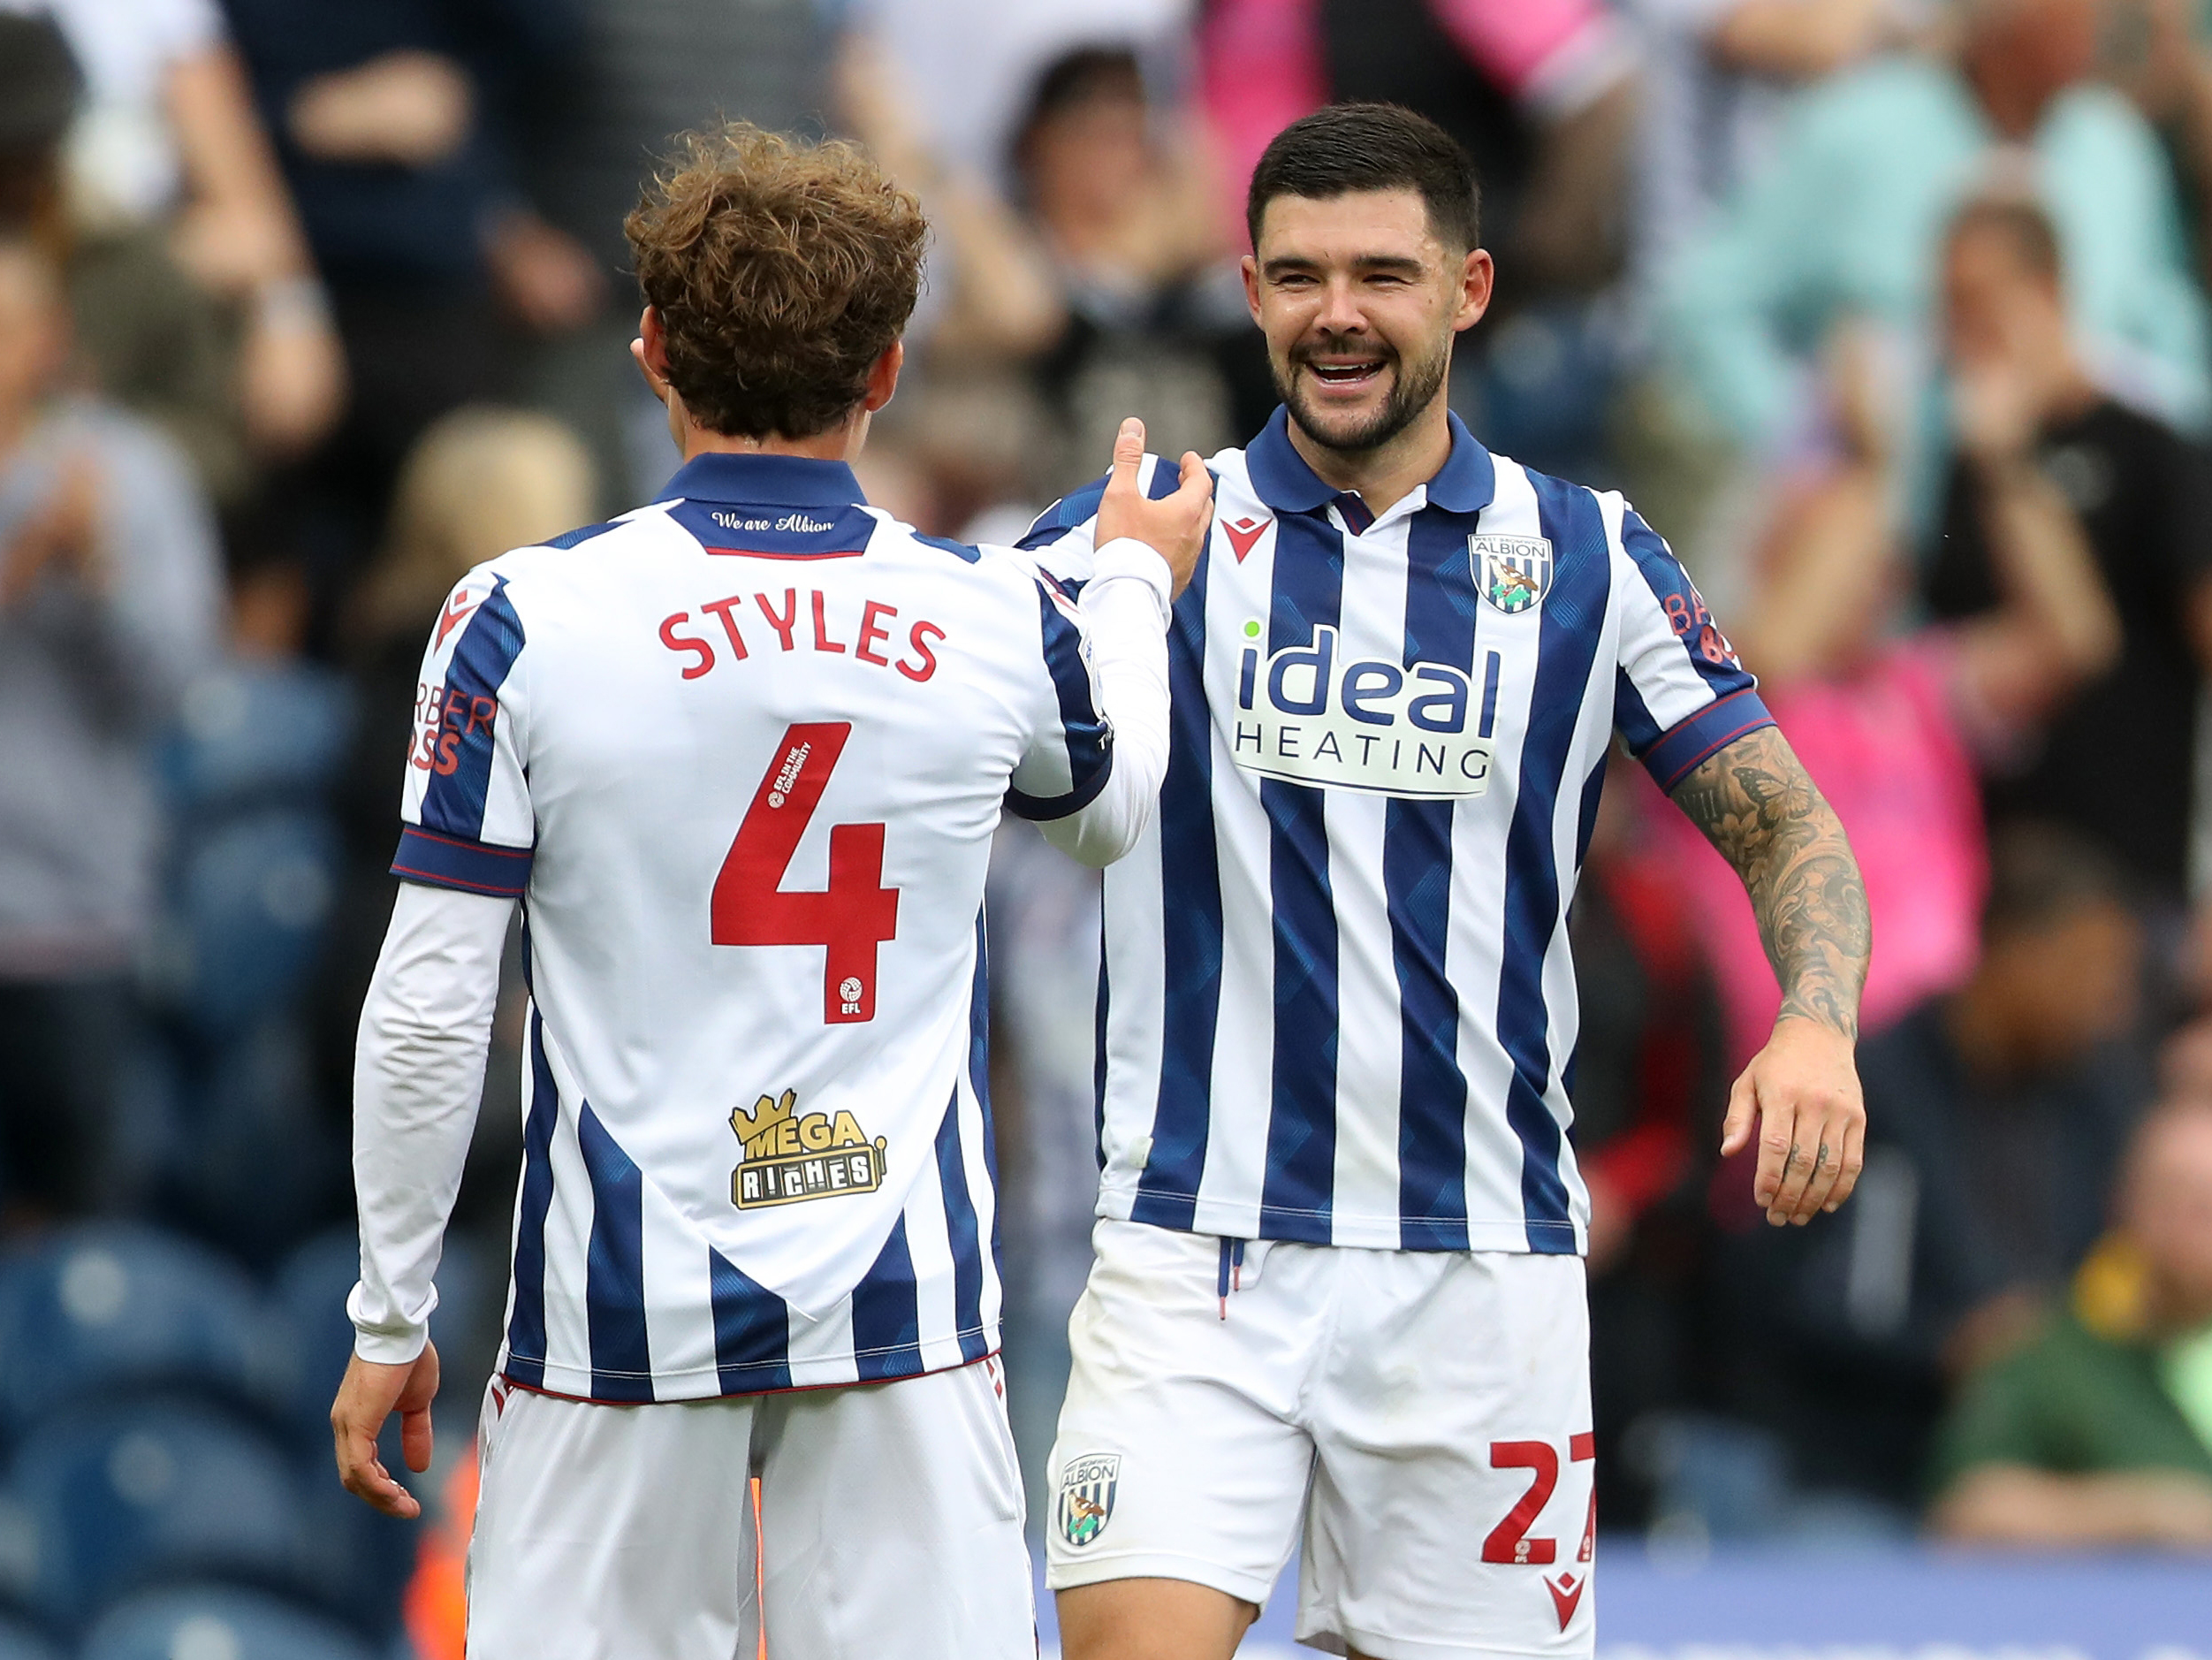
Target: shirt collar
column 1465, row 484
column 786, row 481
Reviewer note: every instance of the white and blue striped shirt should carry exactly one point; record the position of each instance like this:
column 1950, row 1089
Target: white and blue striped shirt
column 1336, row 1002
column 739, row 755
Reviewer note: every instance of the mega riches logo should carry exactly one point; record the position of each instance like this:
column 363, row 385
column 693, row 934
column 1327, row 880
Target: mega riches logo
column 790, row 1155
column 1306, row 715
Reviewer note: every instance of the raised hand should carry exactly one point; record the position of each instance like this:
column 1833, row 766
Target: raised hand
column 1174, row 527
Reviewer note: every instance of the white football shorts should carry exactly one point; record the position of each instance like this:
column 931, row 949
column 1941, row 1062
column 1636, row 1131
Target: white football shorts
column 891, row 1518
column 1419, row 1421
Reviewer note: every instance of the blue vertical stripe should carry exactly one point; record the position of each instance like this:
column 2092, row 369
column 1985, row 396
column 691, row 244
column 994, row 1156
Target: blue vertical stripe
column 489, row 642
column 1190, row 893
column 1296, row 1192
column 979, row 1070
column 1088, row 739
column 1573, row 614
column 1099, row 1045
column 526, row 1325
column 614, row 1267
column 752, row 1329
column 886, row 1314
column 961, row 1229
column 1440, row 605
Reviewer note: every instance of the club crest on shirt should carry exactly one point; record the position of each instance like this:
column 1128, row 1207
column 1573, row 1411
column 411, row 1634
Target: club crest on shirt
column 1514, row 572
column 789, row 1155
column 1086, row 1495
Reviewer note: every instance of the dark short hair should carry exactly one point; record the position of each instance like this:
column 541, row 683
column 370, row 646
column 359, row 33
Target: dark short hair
column 1087, row 74
column 2042, row 875
column 1354, row 147
column 2022, row 222
column 781, row 270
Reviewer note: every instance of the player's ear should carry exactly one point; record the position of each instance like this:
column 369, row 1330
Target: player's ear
column 1476, row 279
column 883, row 376
column 651, row 349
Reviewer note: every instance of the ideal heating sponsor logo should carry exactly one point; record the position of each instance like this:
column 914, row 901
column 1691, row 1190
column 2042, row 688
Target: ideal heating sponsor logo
column 1306, row 716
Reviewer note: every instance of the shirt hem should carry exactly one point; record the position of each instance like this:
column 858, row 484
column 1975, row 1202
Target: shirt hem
column 575, row 1383
column 1226, row 1220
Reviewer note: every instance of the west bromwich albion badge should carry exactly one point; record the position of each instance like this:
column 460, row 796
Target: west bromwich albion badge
column 1514, row 571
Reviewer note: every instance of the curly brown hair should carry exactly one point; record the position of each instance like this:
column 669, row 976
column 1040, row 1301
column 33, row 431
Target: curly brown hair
column 781, row 272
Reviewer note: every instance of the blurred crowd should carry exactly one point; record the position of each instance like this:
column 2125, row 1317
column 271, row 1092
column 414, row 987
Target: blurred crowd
column 1890, row 314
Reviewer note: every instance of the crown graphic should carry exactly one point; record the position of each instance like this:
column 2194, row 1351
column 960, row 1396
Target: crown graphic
column 767, row 1113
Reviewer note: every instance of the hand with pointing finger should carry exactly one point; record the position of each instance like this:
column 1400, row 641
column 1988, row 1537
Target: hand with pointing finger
column 1174, row 527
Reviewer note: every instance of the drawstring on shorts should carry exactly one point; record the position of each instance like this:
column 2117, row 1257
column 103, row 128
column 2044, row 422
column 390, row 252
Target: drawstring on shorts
column 1232, row 1271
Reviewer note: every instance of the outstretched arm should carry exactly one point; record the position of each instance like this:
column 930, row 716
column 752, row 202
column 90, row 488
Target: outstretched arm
column 1755, row 802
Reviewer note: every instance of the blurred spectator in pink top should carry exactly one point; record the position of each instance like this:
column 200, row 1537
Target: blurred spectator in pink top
column 1550, row 108
column 1896, row 727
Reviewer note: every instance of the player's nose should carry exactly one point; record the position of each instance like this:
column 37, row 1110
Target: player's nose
column 1340, row 311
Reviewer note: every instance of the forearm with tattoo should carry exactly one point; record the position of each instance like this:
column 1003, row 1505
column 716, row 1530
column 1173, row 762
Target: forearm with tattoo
column 1756, row 805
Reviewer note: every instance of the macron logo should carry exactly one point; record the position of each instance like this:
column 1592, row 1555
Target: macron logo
column 1243, row 533
column 457, row 610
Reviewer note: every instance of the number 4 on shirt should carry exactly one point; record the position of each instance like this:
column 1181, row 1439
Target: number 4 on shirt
column 852, row 917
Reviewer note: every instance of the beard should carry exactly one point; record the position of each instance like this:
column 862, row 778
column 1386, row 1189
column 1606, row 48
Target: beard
column 1412, row 388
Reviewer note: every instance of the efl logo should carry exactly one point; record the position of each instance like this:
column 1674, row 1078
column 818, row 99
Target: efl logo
column 1421, row 731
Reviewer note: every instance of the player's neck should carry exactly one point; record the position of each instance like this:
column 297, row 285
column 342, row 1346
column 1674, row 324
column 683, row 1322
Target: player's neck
column 841, row 443
column 1384, row 475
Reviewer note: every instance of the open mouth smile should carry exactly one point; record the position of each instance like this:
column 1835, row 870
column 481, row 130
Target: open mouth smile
column 1350, row 376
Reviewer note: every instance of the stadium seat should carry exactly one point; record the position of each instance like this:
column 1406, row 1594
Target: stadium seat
column 252, row 733
column 112, row 1305
column 122, row 1493
column 19, row 1641
column 216, row 1622
column 251, row 895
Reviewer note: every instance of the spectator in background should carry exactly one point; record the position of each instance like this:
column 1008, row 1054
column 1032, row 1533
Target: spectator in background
column 1849, row 217
column 1542, row 93
column 1716, row 80
column 169, row 143
column 110, row 603
column 2100, row 1433
column 1995, row 1119
column 1649, row 1089
column 389, row 135
column 2060, row 456
column 233, row 356
column 1154, row 324
column 1895, row 725
column 479, row 482
column 616, row 78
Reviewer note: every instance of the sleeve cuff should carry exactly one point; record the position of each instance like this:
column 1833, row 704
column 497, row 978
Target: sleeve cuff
column 1045, row 809
column 387, row 1343
column 1126, row 556
column 438, row 860
column 1688, row 744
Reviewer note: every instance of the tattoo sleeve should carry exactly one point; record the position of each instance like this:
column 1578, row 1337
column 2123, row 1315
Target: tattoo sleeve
column 1756, row 804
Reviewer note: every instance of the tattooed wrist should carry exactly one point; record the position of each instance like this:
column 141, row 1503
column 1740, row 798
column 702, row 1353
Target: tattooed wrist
column 1756, row 805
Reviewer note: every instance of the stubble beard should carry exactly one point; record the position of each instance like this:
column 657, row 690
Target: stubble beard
column 1412, row 388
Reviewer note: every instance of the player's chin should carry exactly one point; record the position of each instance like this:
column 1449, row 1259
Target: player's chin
column 1344, row 420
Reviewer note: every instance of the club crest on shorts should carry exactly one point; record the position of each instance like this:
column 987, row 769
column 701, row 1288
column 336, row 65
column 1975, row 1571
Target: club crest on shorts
column 789, row 1155
column 1086, row 1495
column 1514, row 572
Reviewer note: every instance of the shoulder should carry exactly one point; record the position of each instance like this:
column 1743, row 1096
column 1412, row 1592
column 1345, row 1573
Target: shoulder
column 1157, row 474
